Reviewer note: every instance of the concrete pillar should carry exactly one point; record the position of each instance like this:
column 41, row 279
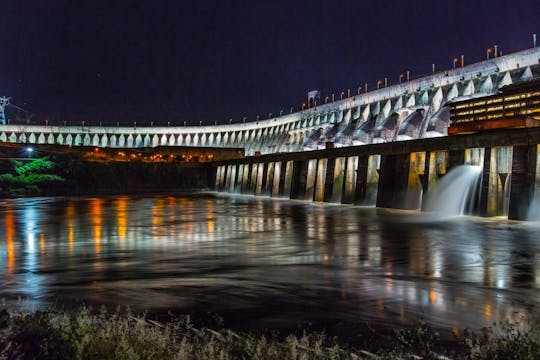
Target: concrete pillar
column 269, row 178
column 494, row 185
column 288, row 180
column 339, row 179
column 261, row 176
column 372, row 181
column 523, row 178
column 299, row 179
column 310, row 180
column 329, row 179
column 320, row 180
column 228, row 178
column 239, row 178
column 232, row 178
column 282, row 179
column 253, row 178
column 417, row 162
column 245, row 179
column 276, row 178
column 393, row 181
column 349, row 185
column 360, row 193
column 218, row 178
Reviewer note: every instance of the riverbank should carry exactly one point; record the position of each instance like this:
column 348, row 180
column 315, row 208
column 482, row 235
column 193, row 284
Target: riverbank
column 91, row 334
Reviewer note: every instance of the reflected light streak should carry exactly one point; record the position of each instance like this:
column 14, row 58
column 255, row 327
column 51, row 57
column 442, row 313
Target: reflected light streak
column 96, row 208
column 42, row 242
column 70, row 214
column 121, row 218
column 432, row 296
column 487, row 310
column 10, row 232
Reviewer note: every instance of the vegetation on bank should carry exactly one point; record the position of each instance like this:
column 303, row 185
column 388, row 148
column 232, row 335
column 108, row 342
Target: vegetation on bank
column 85, row 334
column 29, row 178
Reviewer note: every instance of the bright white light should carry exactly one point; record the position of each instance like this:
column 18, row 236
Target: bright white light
column 29, row 149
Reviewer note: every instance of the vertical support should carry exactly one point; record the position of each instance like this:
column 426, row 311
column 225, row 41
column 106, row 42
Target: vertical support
column 260, row 179
column 218, row 178
column 360, row 193
column 299, row 179
column 522, row 191
column 349, row 186
column 339, row 179
column 253, row 178
column 329, row 179
column 276, row 178
column 393, row 181
column 245, row 179
column 485, row 184
column 263, row 178
column 288, row 180
column 228, row 178
column 282, row 178
column 232, row 180
column 417, row 164
column 310, row 181
column 320, row 179
column 269, row 179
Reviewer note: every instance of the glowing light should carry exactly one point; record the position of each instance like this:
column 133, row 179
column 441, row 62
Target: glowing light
column 432, row 297
column 10, row 232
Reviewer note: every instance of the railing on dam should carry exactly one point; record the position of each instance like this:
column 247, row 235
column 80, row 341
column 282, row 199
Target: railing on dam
column 410, row 110
column 398, row 175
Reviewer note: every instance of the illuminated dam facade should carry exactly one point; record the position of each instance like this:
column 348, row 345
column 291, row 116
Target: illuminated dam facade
column 414, row 109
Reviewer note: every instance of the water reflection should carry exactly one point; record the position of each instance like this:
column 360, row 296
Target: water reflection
column 265, row 262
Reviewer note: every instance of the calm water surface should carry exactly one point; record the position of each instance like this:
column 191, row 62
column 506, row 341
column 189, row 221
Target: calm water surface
column 265, row 262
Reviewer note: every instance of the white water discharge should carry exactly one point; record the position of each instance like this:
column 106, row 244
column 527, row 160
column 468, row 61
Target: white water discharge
column 455, row 192
column 534, row 209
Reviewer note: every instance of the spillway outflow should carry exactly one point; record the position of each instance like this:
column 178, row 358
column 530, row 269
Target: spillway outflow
column 455, row 193
column 534, row 209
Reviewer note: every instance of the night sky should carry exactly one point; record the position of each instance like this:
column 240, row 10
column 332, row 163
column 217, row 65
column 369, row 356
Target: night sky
column 160, row 61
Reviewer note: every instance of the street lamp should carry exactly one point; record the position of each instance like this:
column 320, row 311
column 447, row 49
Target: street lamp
column 400, row 77
column 29, row 151
column 488, row 51
column 455, row 61
column 342, row 93
column 379, row 84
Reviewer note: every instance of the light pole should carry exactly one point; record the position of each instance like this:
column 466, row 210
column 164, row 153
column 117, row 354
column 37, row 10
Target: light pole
column 342, row 93
column 365, row 87
column 495, row 53
column 455, row 61
column 534, row 40
column 379, row 84
column 408, row 75
column 326, row 100
column 400, row 77
column 488, row 51
column 359, row 90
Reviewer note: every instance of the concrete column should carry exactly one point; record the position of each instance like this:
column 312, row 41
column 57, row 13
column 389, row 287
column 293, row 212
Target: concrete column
column 269, row 179
column 393, row 181
column 218, row 178
column 310, row 181
column 320, row 179
column 228, row 178
column 484, row 184
column 329, row 179
column 339, row 179
column 245, row 179
column 299, row 179
column 360, row 193
column 253, row 178
column 232, row 179
column 261, row 176
column 276, row 179
column 522, row 191
column 282, row 179
column 288, row 179
column 351, row 164
column 417, row 163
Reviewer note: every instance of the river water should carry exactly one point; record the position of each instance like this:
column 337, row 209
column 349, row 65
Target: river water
column 268, row 263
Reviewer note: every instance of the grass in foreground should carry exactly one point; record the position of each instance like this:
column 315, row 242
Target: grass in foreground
column 84, row 334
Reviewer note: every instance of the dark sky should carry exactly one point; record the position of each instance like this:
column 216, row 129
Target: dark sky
column 204, row 60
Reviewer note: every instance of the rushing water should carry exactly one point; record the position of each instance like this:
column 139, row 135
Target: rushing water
column 266, row 262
